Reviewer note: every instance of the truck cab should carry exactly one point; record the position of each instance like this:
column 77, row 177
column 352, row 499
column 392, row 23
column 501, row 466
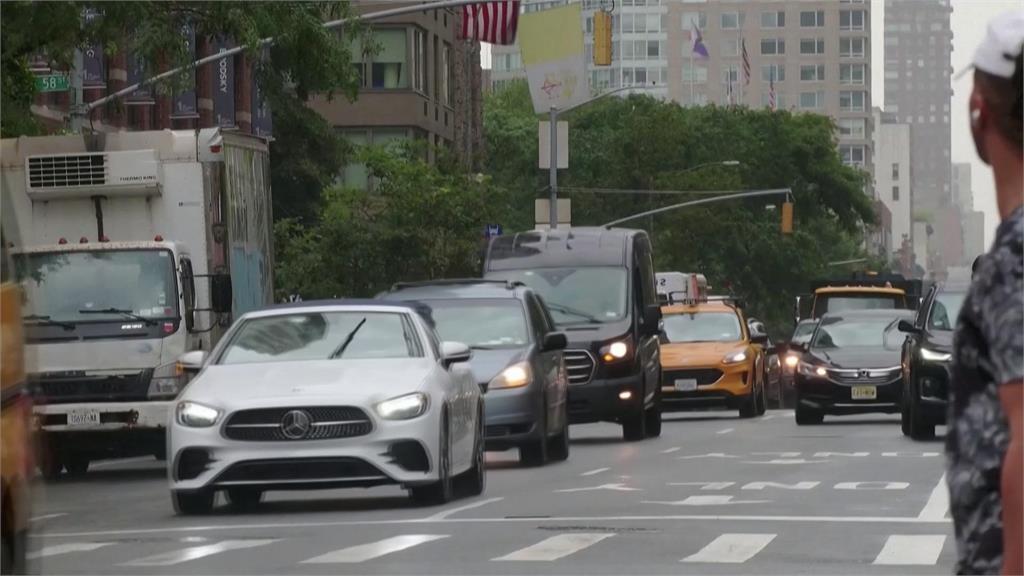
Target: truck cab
column 860, row 291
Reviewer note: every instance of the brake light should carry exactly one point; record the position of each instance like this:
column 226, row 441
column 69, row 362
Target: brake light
column 168, row 328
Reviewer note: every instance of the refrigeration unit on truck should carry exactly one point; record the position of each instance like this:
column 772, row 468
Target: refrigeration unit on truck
column 138, row 248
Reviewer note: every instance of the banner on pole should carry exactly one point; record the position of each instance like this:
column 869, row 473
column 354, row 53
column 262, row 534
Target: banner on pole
column 552, row 48
column 184, row 101
column 224, row 87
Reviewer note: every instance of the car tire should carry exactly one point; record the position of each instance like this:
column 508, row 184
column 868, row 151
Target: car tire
column 192, row 502
column 535, row 452
column 76, row 466
column 161, row 454
column 807, row 416
column 652, row 417
column 242, row 499
column 51, row 467
column 920, row 427
column 473, row 482
column 762, row 399
column 558, row 450
column 634, row 426
column 905, row 414
column 748, row 406
column 442, row 490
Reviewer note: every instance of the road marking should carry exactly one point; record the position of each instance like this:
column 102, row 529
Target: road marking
column 364, row 552
column 47, row 517
column 595, row 471
column 671, row 450
column 196, row 552
column 785, row 461
column 554, row 548
column 725, row 431
column 767, row 417
column 58, row 549
column 446, row 513
column 706, row 500
column 905, row 549
column 938, row 503
column 107, row 463
column 731, row 548
column 617, row 487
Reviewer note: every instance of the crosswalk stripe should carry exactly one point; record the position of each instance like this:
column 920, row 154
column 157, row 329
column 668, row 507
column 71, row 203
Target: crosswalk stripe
column 554, row 547
column 364, row 552
column 58, row 549
column 196, row 552
column 907, row 549
column 731, row 548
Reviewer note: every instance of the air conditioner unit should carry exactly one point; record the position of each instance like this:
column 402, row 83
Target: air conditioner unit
column 86, row 174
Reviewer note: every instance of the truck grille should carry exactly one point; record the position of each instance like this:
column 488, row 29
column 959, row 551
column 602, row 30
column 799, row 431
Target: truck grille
column 63, row 390
column 580, row 366
column 703, row 376
column 67, row 170
column 324, row 423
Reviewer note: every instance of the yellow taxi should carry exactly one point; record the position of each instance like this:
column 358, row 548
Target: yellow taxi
column 711, row 357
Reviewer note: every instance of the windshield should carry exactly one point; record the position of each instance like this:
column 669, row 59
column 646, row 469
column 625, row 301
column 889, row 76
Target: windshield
column 323, row 336
column 481, row 323
column 857, row 332
column 703, row 327
column 592, row 295
column 849, row 302
column 803, row 331
column 75, row 286
column 945, row 309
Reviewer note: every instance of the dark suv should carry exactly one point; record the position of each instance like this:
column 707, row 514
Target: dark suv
column 517, row 358
column 926, row 360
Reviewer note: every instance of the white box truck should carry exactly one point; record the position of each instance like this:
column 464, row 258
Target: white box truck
column 138, row 247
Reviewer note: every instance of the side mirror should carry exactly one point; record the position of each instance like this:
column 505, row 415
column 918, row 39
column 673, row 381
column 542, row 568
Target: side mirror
column 651, row 320
column 797, row 347
column 192, row 361
column 454, row 352
column 220, row 293
column 483, row 387
column 907, row 327
column 759, row 338
column 554, row 341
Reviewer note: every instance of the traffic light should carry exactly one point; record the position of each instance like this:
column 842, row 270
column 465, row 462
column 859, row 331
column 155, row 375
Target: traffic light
column 602, row 38
column 787, row 217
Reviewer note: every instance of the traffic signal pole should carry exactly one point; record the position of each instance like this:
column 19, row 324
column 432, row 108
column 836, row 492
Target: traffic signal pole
column 725, row 197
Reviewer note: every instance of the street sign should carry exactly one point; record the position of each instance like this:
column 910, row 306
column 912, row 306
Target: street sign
column 544, row 144
column 492, row 230
column 53, row 83
column 542, row 213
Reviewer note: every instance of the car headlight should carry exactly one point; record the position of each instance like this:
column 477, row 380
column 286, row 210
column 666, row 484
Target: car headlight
column 196, row 415
column 735, row 357
column 403, row 407
column 792, row 360
column 515, row 376
column 167, row 380
column 808, row 369
column 935, row 356
column 615, row 351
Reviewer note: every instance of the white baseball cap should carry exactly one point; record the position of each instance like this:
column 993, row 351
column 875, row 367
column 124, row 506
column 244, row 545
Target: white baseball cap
column 997, row 53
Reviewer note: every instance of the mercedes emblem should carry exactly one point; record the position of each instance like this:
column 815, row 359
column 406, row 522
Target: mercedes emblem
column 295, row 424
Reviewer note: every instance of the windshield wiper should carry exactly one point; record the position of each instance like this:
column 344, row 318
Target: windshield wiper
column 348, row 340
column 121, row 311
column 569, row 310
column 45, row 321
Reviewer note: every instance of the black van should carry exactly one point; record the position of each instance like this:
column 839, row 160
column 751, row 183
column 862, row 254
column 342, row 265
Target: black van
column 599, row 285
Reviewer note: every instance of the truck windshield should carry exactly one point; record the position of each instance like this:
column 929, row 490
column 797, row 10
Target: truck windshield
column 592, row 295
column 846, row 302
column 70, row 286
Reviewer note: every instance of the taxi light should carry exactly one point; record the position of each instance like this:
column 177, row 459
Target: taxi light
column 625, row 395
column 83, row 240
column 62, row 241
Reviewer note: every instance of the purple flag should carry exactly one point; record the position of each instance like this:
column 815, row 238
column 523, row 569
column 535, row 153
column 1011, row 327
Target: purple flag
column 224, row 87
column 184, row 101
column 699, row 49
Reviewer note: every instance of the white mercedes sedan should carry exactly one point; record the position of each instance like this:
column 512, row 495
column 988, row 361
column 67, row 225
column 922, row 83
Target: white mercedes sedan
column 327, row 395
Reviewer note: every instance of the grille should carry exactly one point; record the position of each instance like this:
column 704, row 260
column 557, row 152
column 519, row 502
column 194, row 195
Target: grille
column 66, row 171
column 122, row 388
column 580, row 366
column 299, row 469
column 853, row 377
column 326, row 422
column 703, row 376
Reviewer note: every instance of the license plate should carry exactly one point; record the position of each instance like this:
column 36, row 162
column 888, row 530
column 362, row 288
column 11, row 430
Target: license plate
column 83, row 417
column 686, row 384
column 863, row 393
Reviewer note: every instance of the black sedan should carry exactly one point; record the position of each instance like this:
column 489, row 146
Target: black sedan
column 851, row 365
column 926, row 360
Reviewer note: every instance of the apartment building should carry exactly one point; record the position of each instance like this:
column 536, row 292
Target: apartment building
column 893, row 173
column 972, row 221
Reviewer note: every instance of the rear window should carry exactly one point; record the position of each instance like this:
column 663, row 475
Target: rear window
column 848, row 302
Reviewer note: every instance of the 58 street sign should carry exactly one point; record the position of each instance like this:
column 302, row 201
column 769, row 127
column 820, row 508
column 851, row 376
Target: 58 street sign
column 53, row 83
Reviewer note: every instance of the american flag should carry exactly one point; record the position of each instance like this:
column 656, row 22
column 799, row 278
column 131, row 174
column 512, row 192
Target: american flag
column 746, row 65
column 493, row 22
column 771, row 91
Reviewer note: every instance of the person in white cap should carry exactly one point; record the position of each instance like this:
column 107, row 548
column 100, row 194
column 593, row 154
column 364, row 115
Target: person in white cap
column 985, row 441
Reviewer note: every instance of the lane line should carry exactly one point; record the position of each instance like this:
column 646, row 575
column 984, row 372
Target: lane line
column 67, row 548
column 595, row 471
column 671, row 450
column 767, row 417
column 731, row 549
column 504, row 520
column 554, row 548
column 108, row 463
column 726, row 431
column 446, row 513
column 47, row 517
column 196, row 552
column 911, row 549
column 364, row 552
column 938, row 502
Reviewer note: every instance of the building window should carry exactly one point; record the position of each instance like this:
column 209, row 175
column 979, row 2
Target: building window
column 773, row 72
column 780, row 100
column 812, row 100
column 895, row 193
column 640, row 23
column 419, row 60
column 812, row 72
column 388, row 66
column 812, row 45
column 851, row 47
column 852, row 155
column 696, row 73
column 853, row 74
column 732, row 20
column 730, row 73
column 851, row 100
column 851, row 19
column 895, row 170
column 693, row 20
column 812, row 19
column 642, row 49
column 852, row 127
column 601, row 79
column 730, row 47
column 773, row 19
column 773, row 46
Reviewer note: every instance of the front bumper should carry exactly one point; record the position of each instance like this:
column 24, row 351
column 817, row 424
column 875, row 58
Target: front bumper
column 113, row 416
column 512, row 417
column 835, row 398
column 931, row 387
column 598, row 400
column 730, row 388
column 400, row 452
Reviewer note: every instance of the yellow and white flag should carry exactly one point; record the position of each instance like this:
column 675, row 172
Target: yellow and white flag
column 551, row 42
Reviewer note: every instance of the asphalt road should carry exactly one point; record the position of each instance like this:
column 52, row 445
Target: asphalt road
column 713, row 495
